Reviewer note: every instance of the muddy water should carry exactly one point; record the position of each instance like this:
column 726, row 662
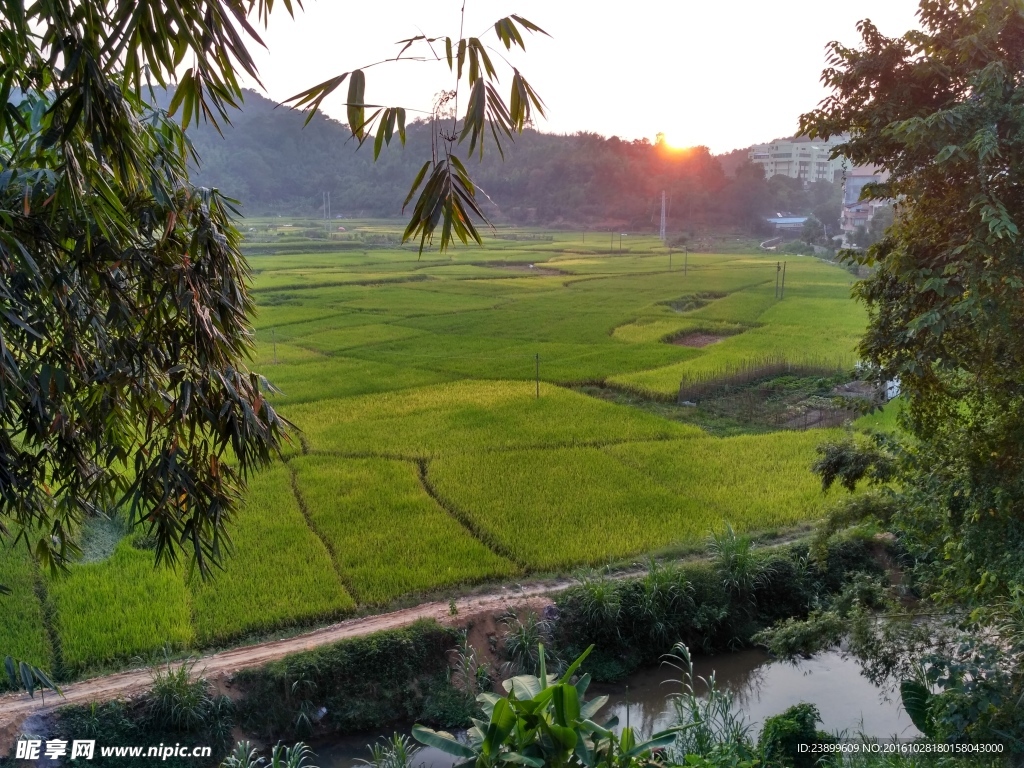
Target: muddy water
column 846, row 700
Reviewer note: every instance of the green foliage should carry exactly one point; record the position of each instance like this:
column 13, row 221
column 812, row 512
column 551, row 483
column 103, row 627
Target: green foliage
column 119, row 608
column 797, row 247
column 363, row 683
column 633, row 622
column 447, row 195
column 967, row 692
column 545, row 721
column 181, row 701
column 132, row 723
column 741, row 570
column 523, row 640
column 783, row 734
column 836, row 614
column 110, row 255
column 396, row 752
column 940, row 110
column 713, row 729
column 244, row 755
column 851, row 461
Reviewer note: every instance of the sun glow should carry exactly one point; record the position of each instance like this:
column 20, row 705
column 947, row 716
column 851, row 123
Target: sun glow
column 672, row 142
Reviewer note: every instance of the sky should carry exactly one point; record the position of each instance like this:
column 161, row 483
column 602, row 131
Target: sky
column 721, row 73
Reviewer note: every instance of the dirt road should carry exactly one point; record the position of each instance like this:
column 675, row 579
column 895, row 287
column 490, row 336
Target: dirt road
column 15, row 707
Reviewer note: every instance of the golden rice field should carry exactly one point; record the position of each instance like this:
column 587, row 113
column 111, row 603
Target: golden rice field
column 430, row 456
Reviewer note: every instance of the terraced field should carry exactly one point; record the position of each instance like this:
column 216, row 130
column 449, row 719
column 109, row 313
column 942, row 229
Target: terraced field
column 440, row 442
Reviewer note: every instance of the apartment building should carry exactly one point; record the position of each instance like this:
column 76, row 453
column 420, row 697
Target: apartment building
column 799, row 158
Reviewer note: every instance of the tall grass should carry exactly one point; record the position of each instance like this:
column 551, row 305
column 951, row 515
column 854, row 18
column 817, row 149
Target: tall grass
column 22, row 629
column 388, row 537
column 698, row 384
column 279, row 572
column 119, row 608
column 716, row 725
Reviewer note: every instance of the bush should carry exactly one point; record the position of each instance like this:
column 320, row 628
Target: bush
column 782, row 735
column 632, row 622
column 797, row 248
column 708, row 606
column 364, row 683
column 788, row 593
column 127, row 724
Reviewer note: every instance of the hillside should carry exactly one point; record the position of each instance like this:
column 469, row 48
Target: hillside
column 273, row 164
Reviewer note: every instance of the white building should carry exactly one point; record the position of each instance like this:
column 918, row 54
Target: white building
column 858, row 213
column 799, row 158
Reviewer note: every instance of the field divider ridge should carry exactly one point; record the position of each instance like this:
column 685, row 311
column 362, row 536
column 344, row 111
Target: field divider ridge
column 462, row 518
column 301, row 501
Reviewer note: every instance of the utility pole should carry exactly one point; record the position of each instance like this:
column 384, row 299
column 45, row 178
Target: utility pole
column 782, row 291
column 537, row 361
column 328, row 206
column 778, row 271
column 663, row 216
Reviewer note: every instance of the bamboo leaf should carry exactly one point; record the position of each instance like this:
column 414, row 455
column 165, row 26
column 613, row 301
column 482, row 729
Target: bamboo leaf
column 356, row 107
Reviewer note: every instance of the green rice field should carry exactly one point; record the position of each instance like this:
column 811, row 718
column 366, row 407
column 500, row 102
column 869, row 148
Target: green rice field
column 442, row 443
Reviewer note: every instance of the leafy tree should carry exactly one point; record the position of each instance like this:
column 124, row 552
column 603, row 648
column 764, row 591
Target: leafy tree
column 942, row 109
column 860, row 237
column 124, row 308
column 124, row 304
column 813, row 231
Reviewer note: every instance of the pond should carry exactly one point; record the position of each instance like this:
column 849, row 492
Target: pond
column 846, row 699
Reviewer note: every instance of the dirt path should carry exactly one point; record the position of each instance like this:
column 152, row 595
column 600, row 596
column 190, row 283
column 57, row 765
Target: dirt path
column 15, row 707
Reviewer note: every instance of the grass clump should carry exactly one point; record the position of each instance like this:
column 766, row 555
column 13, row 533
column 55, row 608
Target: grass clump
column 280, row 573
column 362, row 684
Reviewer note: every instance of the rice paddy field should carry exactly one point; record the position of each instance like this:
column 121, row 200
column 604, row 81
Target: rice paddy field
column 442, row 441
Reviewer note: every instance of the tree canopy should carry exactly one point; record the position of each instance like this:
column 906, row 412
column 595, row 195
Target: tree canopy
column 942, row 109
column 124, row 308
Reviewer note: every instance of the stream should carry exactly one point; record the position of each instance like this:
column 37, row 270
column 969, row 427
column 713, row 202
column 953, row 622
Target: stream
column 761, row 687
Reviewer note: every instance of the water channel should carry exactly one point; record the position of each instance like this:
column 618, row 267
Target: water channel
column 761, row 687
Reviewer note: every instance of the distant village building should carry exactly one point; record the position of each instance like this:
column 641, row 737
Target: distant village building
column 799, row 158
column 858, row 213
column 787, row 224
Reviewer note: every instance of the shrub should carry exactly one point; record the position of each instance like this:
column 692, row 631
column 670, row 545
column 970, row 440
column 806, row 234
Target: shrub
column 782, row 735
column 363, row 683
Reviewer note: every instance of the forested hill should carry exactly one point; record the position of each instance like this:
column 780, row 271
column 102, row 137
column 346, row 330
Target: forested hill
column 270, row 162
